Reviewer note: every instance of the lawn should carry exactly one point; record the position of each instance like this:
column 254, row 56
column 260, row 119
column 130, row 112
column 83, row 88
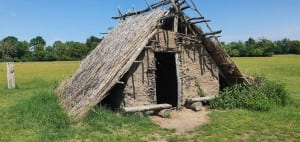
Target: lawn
column 32, row 113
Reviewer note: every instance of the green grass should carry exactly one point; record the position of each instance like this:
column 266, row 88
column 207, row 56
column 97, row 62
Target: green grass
column 32, row 112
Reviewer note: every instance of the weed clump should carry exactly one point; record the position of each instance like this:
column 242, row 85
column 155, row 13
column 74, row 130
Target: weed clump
column 259, row 97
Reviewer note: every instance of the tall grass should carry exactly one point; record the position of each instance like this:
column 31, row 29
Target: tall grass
column 259, row 97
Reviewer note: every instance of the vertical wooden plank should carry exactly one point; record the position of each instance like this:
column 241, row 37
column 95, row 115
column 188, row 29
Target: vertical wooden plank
column 179, row 83
column 175, row 25
column 147, row 53
column 11, row 76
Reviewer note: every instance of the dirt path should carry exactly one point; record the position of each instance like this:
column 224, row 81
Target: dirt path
column 183, row 120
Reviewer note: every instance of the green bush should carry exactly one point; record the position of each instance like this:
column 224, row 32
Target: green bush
column 259, row 97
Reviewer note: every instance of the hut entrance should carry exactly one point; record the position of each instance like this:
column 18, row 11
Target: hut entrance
column 166, row 79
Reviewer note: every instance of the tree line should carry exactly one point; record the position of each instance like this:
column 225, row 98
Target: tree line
column 262, row 47
column 11, row 49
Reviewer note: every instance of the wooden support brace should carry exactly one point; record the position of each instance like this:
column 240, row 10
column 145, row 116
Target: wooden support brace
column 202, row 21
column 149, row 6
column 212, row 33
column 185, row 7
column 214, row 37
column 196, row 18
column 120, row 13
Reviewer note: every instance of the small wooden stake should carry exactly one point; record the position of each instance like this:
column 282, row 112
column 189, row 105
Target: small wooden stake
column 11, row 76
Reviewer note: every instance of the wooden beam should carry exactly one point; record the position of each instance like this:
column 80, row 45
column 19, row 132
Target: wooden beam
column 212, row 33
column 185, row 7
column 202, row 21
column 145, row 108
column 200, row 99
column 196, row 18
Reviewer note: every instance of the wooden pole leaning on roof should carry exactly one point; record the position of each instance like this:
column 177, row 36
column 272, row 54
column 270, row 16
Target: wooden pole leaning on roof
column 151, row 7
column 10, row 76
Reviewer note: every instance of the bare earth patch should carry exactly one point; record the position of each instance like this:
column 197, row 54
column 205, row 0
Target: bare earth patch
column 183, row 120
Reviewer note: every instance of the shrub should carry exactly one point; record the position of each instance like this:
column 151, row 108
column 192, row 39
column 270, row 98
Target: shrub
column 259, row 97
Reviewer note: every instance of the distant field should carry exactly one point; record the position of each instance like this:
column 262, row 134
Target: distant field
column 31, row 112
column 282, row 68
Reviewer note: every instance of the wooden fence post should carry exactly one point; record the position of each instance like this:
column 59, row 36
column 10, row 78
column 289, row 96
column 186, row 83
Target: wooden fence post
column 10, row 75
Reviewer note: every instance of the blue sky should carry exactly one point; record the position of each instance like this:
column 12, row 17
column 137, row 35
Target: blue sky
column 78, row 19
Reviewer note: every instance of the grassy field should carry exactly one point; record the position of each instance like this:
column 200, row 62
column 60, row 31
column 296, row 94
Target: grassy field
column 32, row 113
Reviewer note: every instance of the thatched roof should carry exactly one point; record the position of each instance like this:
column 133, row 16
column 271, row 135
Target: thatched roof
column 107, row 63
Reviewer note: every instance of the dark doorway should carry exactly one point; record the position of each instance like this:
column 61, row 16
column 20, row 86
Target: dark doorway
column 166, row 79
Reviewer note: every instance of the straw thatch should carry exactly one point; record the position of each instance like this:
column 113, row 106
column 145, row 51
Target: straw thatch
column 105, row 65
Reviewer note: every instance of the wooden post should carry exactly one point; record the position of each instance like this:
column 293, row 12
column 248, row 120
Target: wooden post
column 147, row 66
column 11, row 76
column 179, row 83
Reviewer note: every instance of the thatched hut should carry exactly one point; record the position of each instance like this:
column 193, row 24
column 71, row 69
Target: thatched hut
column 153, row 56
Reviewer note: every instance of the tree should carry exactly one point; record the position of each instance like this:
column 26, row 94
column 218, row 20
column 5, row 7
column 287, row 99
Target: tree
column 284, row 45
column 76, row 50
column 8, row 47
column 60, row 50
column 234, row 48
column 266, row 46
column 22, row 49
column 50, row 54
column 295, row 47
column 37, row 45
column 1, row 50
column 92, row 43
column 37, row 41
